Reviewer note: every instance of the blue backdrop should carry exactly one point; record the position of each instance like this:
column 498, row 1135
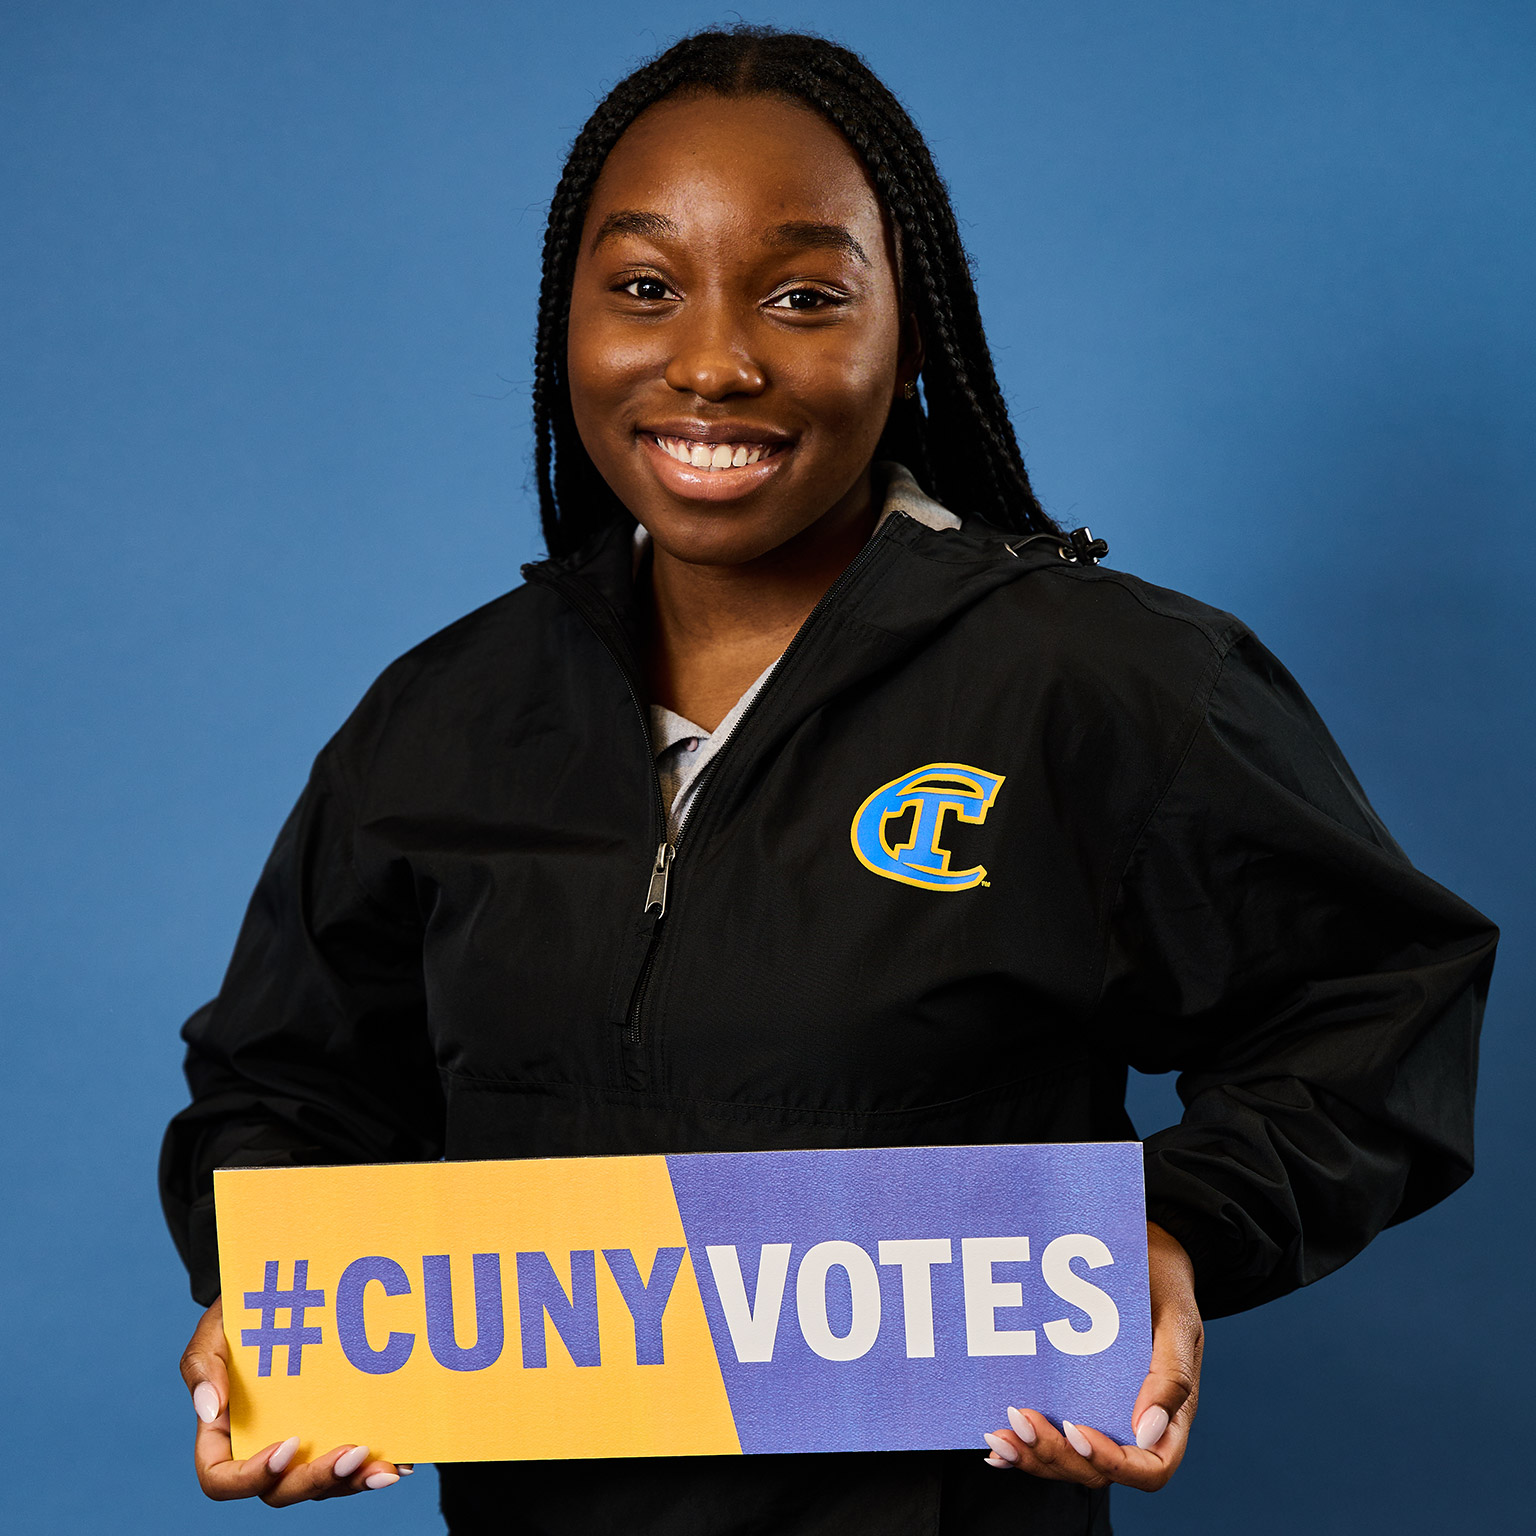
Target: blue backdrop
column 1259, row 282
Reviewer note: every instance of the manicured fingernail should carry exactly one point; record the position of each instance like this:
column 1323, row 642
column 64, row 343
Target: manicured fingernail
column 1076, row 1439
column 349, row 1461
column 1150, row 1430
column 404, row 1470
column 992, row 1461
column 1000, row 1447
column 380, row 1480
column 283, row 1454
column 205, row 1401
column 1021, row 1426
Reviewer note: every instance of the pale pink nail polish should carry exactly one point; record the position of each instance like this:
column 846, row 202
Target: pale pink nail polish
column 280, row 1458
column 1021, row 1426
column 380, row 1480
column 1150, row 1430
column 992, row 1461
column 1076, row 1439
column 404, row 1470
column 1000, row 1447
column 349, row 1461
column 205, row 1402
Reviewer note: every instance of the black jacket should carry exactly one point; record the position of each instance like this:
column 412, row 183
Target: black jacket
column 456, row 950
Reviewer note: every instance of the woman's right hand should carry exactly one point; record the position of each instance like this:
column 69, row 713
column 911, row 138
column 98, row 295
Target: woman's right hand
column 271, row 1475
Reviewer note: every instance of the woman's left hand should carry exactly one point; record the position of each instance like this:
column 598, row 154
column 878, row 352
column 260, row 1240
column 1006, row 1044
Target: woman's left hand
column 1164, row 1407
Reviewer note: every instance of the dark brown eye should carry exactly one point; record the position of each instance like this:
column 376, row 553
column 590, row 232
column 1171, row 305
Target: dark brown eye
column 649, row 288
column 800, row 298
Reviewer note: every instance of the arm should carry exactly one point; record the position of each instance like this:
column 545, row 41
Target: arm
column 316, row 1050
column 1321, row 998
column 1319, row 995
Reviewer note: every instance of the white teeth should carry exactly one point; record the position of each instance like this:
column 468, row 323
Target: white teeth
column 711, row 456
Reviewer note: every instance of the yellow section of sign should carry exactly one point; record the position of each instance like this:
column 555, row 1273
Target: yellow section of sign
column 422, row 1410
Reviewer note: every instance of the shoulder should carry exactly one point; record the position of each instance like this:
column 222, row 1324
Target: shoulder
column 1098, row 603
column 479, row 665
column 1097, row 625
column 1234, row 716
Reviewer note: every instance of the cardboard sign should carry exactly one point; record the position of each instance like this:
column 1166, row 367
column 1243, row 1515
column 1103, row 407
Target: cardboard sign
column 709, row 1304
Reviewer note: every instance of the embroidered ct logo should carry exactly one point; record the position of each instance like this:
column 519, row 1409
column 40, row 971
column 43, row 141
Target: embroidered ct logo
column 939, row 787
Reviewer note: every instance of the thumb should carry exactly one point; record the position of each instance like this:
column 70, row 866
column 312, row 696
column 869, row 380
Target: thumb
column 1178, row 1338
column 204, row 1365
column 1171, row 1383
column 1159, row 1400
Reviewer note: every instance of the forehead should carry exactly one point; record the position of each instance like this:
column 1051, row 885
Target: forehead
column 706, row 160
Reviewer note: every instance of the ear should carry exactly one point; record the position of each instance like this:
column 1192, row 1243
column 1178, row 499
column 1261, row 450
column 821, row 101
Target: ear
column 910, row 355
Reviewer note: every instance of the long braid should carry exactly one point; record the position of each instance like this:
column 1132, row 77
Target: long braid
column 958, row 440
column 953, row 306
column 924, row 233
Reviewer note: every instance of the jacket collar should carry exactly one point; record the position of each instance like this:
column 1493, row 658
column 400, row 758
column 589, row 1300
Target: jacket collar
column 921, row 568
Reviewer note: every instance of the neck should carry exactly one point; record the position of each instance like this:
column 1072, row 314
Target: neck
column 715, row 628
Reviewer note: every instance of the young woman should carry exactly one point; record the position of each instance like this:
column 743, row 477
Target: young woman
column 585, row 872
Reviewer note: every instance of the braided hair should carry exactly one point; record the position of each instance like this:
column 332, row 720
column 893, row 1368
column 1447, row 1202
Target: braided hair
column 962, row 447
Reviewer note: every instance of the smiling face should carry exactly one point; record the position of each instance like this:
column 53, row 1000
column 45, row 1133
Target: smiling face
column 736, row 337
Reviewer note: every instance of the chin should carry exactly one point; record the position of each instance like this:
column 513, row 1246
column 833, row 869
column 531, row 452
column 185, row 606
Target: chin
column 718, row 538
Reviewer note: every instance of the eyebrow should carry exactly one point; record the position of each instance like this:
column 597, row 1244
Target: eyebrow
column 808, row 234
column 633, row 221
column 797, row 234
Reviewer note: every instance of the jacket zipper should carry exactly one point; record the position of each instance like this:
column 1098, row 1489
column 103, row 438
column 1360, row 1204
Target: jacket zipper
column 655, row 901
column 661, row 865
column 659, row 882
column 656, row 888
column 667, row 852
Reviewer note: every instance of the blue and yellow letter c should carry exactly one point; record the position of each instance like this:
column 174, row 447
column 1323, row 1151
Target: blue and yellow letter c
column 920, row 861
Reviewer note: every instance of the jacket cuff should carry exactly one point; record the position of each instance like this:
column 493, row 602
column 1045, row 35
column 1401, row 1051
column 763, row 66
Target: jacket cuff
column 1236, row 1264
column 203, row 1251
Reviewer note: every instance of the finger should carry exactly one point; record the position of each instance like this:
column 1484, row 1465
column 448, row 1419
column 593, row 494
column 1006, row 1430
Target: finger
column 306, row 1480
column 1008, row 1445
column 204, row 1365
column 1004, row 1452
column 345, row 1470
column 1044, row 1451
column 1128, row 1465
column 221, row 1477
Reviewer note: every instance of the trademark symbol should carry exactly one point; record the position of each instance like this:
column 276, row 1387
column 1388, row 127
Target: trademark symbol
column 986, row 885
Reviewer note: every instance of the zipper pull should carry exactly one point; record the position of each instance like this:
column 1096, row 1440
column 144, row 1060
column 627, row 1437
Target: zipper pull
column 656, row 894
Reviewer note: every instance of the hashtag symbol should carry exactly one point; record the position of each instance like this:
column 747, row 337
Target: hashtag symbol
column 269, row 1301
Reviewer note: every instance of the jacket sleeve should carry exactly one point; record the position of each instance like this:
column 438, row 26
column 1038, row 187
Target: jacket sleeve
column 316, row 1048
column 1320, row 997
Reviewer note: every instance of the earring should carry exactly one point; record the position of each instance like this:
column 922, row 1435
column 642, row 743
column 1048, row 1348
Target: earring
column 909, row 390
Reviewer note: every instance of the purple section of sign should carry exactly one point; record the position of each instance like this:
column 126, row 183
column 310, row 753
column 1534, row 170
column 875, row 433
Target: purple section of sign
column 856, row 1363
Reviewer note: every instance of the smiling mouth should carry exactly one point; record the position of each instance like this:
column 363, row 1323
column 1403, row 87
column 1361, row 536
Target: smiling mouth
column 713, row 456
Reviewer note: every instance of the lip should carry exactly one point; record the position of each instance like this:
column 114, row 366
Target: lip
column 715, row 431
column 714, row 485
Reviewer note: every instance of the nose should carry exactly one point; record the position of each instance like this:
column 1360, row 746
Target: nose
column 712, row 358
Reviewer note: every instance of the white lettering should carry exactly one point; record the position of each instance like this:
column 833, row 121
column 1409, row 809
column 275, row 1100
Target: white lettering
column 1103, row 1315
column 984, row 1295
column 811, row 1299
column 917, row 1256
column 754, row 1325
